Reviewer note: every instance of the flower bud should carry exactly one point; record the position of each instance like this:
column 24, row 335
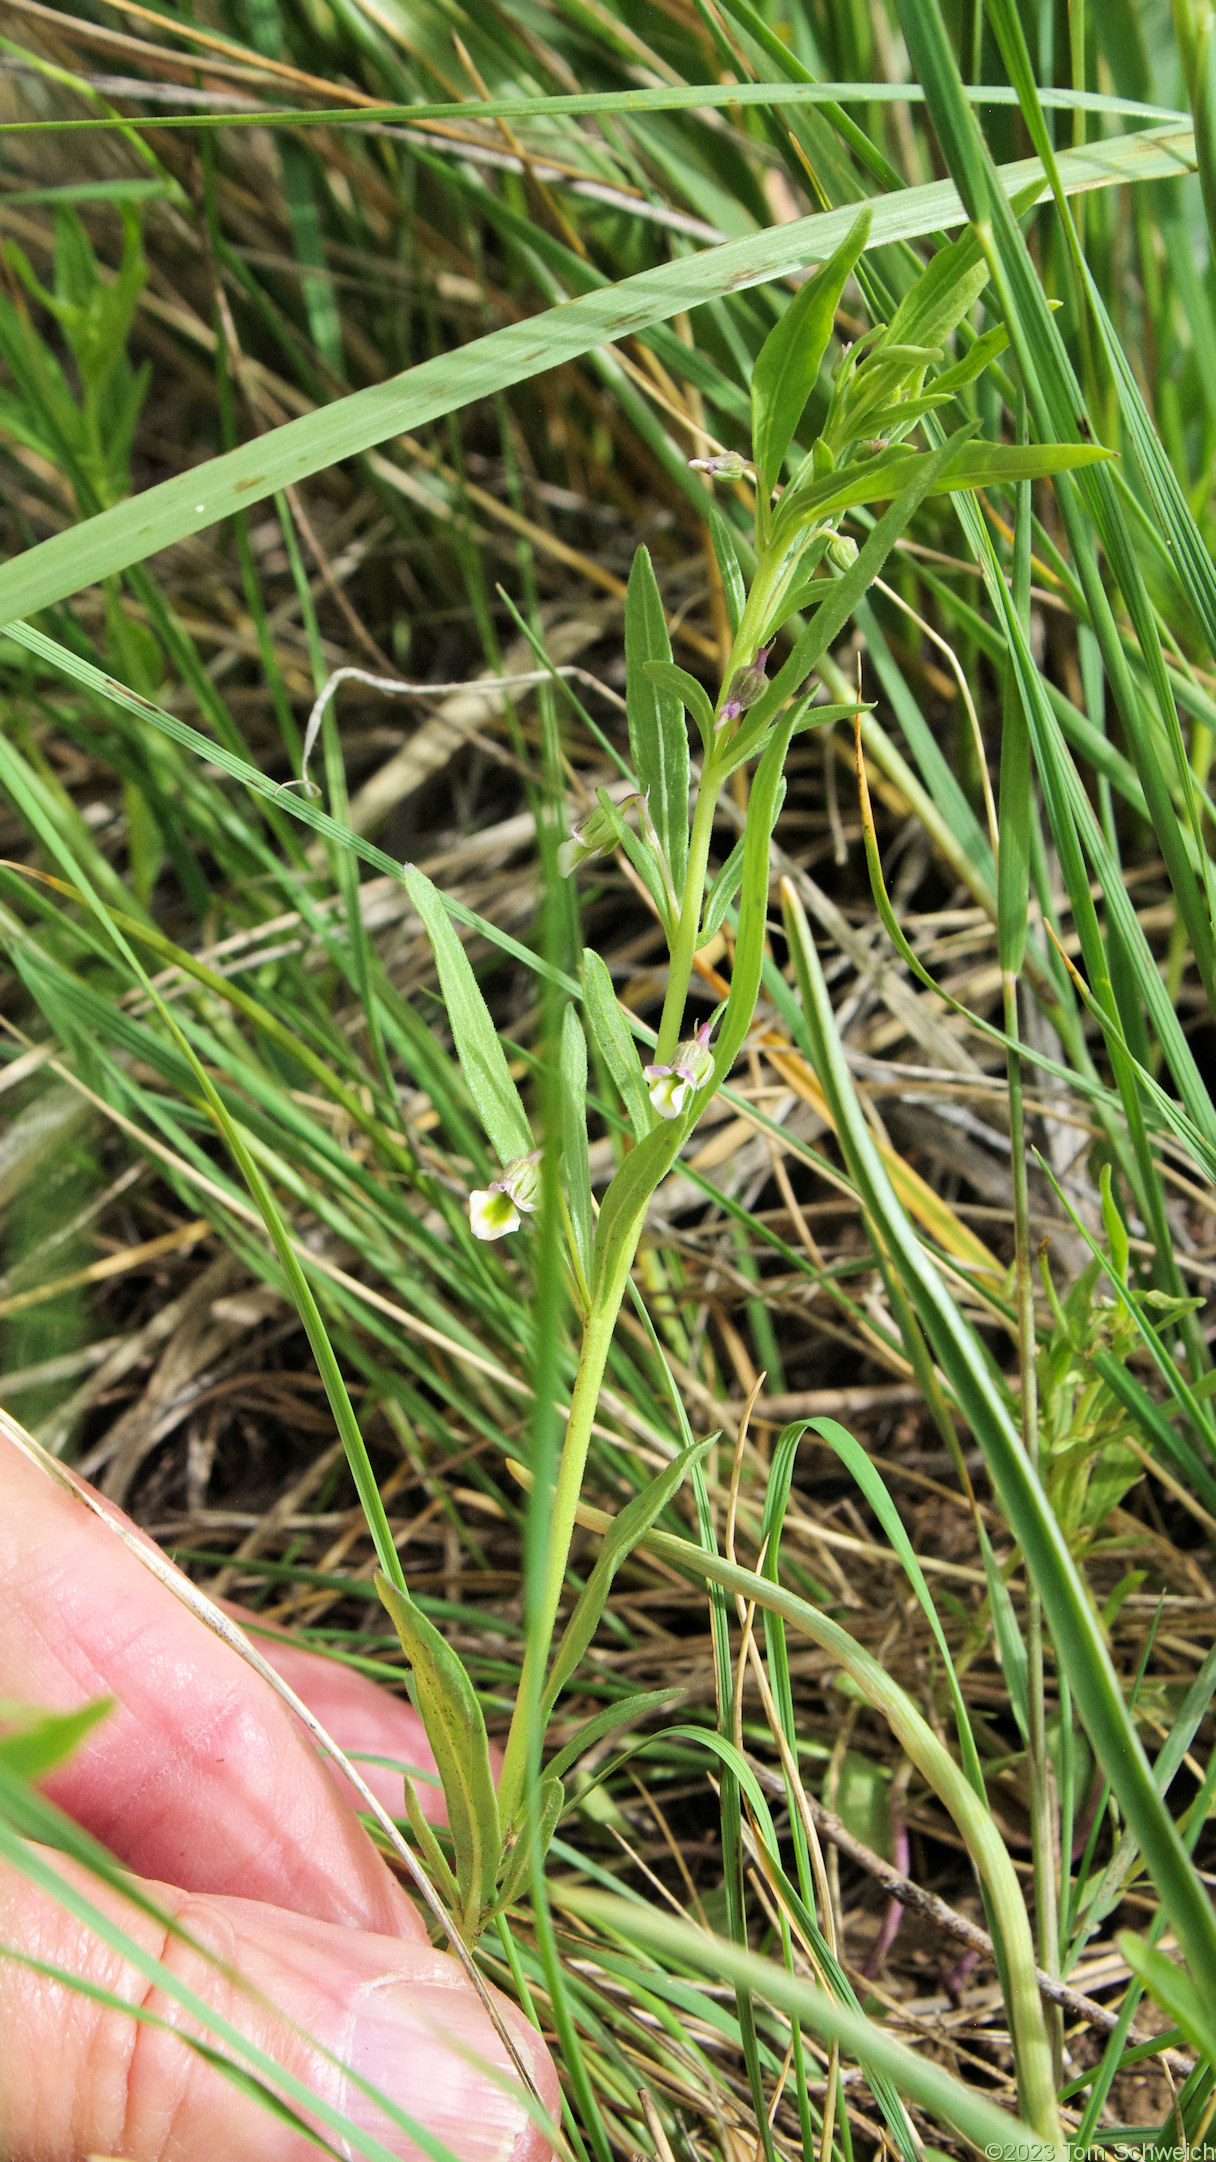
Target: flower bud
column 596, row 836
column 842, row 552
column 728, row 465
column 747, row 685
column 690, row 1069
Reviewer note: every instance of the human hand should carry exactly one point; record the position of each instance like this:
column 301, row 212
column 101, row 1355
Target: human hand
column 201, row 1782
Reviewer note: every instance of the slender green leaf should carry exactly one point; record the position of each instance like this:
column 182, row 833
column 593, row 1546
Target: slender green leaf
column 618, row 1542
column 616, row 1046
column 574, row 1135
column 456, row 1732
column 483, row 1061
column 658, row 736
column 787, row 366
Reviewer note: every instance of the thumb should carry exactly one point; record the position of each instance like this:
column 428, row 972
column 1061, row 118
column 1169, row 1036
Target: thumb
column 79, row 2076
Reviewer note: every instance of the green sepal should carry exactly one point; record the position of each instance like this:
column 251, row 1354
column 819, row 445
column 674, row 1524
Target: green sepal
column 642, row 854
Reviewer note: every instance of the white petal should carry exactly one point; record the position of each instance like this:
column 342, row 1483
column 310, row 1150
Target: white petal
column 492, row 1213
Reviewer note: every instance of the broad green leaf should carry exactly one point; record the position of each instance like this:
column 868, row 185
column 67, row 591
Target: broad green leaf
column 574, row 1136
column 610, row 1033
column 658, row 736
column 456, row 1732
column 787, row 366
column 483, row 1061
column 190, row 502
column 618, row 1542
column 35, row 1742
column 667, row 677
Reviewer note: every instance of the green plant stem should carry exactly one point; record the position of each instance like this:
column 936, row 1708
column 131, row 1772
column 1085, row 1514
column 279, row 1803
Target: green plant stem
column 593, row 1358
column 684, row 948
column 1043, row 1815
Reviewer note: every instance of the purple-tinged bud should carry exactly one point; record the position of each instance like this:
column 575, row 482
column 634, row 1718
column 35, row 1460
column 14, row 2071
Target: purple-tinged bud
column 728, row 465
column 747, row 685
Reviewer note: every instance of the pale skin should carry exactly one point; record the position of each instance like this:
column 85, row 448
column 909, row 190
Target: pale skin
column 203, row 1785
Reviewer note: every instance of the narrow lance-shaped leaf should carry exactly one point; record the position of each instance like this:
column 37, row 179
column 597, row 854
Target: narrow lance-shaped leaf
column 616, row 1046
column 483, row 1061
column 868, row 1478
column 619, row 1540
column 622, row 1713
column 667, row 677
column 456, row 1732
column 788, row 363
column 658, row 736
column 574, row 1135
column 728, row 564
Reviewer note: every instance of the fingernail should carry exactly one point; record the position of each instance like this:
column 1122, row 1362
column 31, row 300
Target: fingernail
column 423, row 2046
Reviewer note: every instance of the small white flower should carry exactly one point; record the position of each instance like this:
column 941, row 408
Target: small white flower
column 669, row 1091
column 690, row 1069
column 492, row 1213
column 494, row 1209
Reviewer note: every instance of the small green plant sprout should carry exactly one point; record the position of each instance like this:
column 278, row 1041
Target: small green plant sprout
column 1085, row 1425
column 808, row 579
column 85, row 430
